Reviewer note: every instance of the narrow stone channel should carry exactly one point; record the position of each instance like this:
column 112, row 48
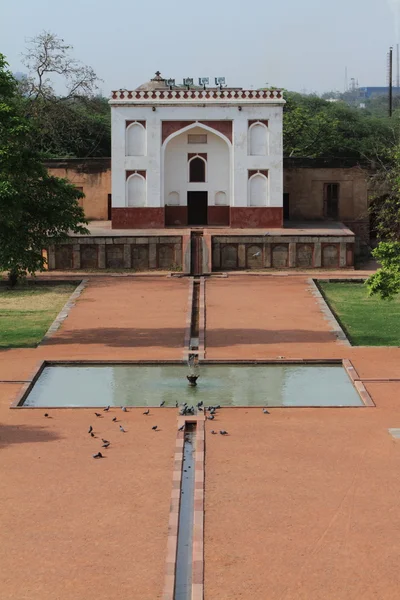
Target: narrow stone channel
column 184, row 556
column 194, row 326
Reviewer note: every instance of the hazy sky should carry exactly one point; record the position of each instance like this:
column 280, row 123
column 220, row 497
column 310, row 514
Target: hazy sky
column 296, row 44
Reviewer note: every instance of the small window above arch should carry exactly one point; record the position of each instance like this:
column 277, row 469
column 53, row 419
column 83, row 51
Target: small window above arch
column 197, row 170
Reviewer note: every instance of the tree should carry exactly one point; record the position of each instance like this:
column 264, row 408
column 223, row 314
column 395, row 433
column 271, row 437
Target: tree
column 386, row 281
column 75, row 123
column 48, row 55
column 33, row 205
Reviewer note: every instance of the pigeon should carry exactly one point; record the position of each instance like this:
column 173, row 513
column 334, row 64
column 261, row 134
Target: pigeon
column 181, row 428
column 90, row 429
column 105, row 441
column 146, row 412
column 98, row 455
column 176, row 404
column 46, row 414
column 256, row 254
column 123, row 408
column 106, row 445
column 212, row 410
column 223, row 432
column 211, row 417
column 155, row 427
column 122, row 429
column 200, row 404
column 92, row 434
column 200, row 409
column 265, row 411
column 106, row 409
column 114, row 419
column 213, row 432
column 162, row 403
column 97, row 414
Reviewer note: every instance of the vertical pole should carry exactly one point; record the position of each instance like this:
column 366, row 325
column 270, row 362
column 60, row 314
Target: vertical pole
column 390, row 81
column 397, row 67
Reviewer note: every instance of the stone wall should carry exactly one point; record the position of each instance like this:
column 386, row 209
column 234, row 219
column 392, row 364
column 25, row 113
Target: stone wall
column 305, row 186
column 93, row 175
column 281, row 252
column 137, row 253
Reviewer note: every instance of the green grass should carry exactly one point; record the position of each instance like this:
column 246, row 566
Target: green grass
column 366, row 321
column 26, row 313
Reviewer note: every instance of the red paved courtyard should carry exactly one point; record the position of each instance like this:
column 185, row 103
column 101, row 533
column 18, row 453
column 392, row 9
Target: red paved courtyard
column 301, row 504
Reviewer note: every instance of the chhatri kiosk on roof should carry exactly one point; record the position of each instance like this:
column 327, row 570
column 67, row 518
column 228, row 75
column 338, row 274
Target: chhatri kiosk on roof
column 196, row 155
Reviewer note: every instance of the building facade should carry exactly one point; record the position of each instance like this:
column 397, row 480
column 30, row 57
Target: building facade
column 196, row 157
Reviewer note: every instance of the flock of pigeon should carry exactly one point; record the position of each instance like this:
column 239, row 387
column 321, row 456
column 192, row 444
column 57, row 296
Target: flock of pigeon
column 184, row 410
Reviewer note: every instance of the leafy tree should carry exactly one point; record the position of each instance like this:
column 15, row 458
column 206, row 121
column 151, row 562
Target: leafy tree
column 316, row 128
column 33, row 205
column 386, row 281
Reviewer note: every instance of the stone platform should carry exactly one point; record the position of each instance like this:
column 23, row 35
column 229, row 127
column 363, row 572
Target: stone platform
column 327, row 245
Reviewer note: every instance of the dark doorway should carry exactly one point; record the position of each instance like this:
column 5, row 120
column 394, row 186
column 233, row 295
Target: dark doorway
column 197, row 208
column 197, row 170
column 109, row 204
column 331, row 200
column 286, row 212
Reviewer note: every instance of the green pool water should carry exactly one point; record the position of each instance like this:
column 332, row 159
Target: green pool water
column 227, row 385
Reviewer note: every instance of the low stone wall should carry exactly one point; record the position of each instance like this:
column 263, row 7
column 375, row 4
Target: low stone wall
column 137, row 253
column 281, row 252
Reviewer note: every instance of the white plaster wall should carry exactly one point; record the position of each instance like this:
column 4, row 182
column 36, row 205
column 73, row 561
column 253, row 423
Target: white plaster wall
column 240, row 161
column 177, row 171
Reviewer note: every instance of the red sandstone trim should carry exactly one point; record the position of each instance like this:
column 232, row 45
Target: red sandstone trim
column 263, row 121
column 364, row 395
column 169, row 127
column 129, row 173
column 202, row 319
column 198, row 517
column 201, row 154
column 186, row 343
column 252, row 172
column 127, row 123
column 351, row 371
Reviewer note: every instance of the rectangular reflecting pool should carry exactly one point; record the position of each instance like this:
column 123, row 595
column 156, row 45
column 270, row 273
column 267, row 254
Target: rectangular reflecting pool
column 74, row 385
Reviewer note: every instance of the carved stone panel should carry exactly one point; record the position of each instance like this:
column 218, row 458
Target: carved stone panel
column 165, row 255
column 89, row 256
column 229, row 257
column 140, row 258
column 115, row 256
column 280, row 256
column 254, row 257
column 64, row 258
column 330, row 256
column 304, row 255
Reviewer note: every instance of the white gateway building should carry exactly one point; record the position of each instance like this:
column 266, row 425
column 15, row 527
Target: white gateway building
column 188, row 156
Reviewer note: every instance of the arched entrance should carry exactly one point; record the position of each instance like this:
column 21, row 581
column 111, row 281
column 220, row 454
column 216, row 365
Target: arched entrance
column 196, row 168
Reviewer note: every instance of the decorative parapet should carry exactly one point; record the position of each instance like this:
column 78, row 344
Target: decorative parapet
column 191, row 96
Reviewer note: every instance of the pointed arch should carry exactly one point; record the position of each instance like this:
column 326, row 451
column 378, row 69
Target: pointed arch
column 258, row 139
column 258, row 190
column 197, row 169
column 199, row 125
column 135, row 144
column 136, row 190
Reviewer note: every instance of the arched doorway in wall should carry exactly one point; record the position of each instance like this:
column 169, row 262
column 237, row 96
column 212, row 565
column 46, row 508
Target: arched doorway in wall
column 196, row 163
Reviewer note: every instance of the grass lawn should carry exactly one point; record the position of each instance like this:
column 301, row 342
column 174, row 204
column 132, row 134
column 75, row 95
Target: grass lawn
column 366, row 321
column 26, row 313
